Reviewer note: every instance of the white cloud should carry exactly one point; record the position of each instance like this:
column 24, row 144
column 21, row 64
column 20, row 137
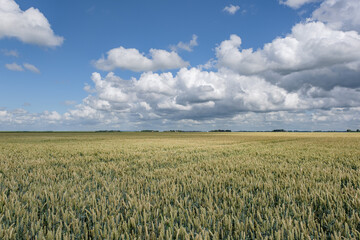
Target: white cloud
column 186, row 46
column 29, row 26
column 51, row 117
column 14, row 67
column 297, row 3
column 113, row 89
column 153, row 83
column 31, row 68
column 231, row 9
column 310, row 45
column 339, row 14
column 132, row 59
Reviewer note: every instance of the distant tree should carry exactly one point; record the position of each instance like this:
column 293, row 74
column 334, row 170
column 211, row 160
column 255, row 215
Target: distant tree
column 279, row 130
column 348, row 130
column 358, row 130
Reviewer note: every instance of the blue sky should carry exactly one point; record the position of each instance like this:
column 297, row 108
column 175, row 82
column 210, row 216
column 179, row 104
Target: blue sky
column 194, row 65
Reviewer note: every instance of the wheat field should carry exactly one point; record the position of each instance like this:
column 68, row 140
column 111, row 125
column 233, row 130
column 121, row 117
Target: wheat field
column 179, row 185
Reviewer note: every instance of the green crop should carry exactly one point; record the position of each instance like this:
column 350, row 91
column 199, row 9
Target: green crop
column 179, row 185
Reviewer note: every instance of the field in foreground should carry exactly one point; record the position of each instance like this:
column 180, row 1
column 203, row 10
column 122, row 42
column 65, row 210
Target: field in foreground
column 179, row 185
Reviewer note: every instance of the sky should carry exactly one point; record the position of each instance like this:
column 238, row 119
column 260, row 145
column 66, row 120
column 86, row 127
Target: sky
column 253, row 65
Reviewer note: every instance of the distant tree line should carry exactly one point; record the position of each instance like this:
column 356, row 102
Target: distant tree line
column 223, row 130
column 220, row 130
column 108, row 131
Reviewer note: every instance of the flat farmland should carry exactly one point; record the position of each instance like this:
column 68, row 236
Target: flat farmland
column 179, row 185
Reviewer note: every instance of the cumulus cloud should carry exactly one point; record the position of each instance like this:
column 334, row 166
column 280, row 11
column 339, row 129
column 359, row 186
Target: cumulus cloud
column 132, row 59
column 231, row 9
column 51, row 117
column 31, row 68
column 186, row 46
column 14, row 67
column 339, row 14
column 29, row 26
column 21, row 119
column 193, row 97
column 310, row 45
column 297, row 3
